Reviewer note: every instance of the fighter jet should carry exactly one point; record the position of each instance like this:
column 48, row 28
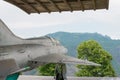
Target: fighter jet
column 18, row 55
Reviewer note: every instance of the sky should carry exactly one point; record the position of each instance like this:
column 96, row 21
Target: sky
column 105, row 22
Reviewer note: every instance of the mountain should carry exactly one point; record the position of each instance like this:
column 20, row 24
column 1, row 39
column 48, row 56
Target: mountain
column 72, row 40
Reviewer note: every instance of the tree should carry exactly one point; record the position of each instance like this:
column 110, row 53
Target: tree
column 92, row 51
column 47, row 70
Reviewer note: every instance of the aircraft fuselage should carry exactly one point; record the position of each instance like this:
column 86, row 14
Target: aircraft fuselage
column 34, row 48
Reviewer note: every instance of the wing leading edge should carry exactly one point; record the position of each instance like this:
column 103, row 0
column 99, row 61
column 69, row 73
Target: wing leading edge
column 59, row 58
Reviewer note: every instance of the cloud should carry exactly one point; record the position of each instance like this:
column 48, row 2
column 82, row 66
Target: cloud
column 103, row 21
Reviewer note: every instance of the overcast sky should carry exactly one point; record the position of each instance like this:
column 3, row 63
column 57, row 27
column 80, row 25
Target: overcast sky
column 105, row 22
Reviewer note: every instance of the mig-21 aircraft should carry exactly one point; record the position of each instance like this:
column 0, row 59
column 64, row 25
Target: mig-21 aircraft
column 18, row 55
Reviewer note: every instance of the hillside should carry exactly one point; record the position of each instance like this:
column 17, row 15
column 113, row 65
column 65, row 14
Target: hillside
column 72, row 40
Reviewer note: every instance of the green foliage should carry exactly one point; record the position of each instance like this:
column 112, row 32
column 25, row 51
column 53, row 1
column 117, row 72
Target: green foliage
column 71, row 41
column 92, row 51
column 47, row 70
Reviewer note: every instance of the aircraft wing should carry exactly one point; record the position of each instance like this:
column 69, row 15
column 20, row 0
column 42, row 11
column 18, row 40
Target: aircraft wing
column 7, row 66
column 59, row 58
